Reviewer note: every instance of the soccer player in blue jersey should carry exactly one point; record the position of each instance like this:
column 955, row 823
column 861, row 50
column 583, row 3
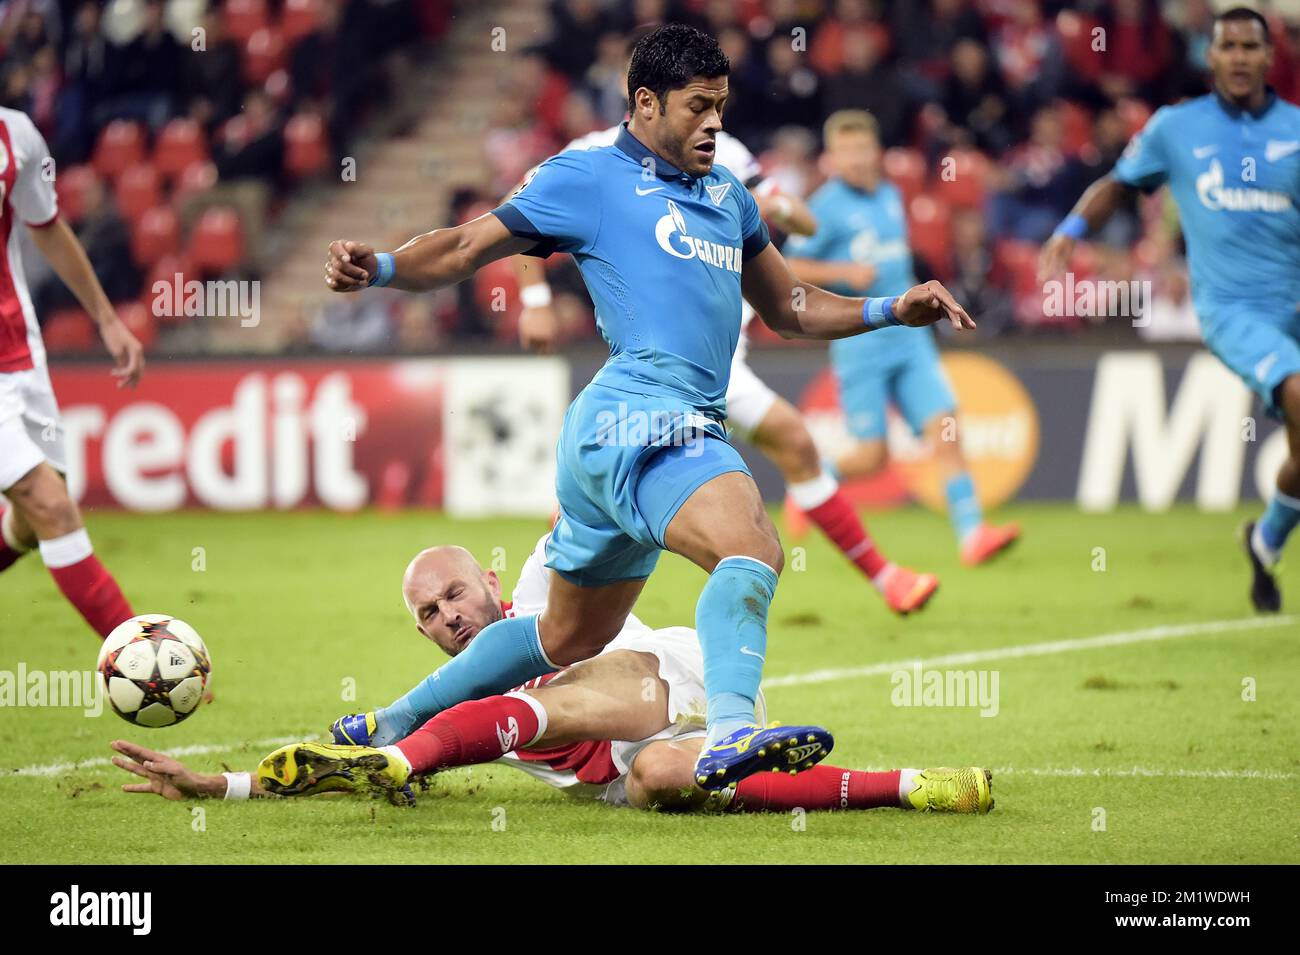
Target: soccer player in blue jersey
column 1232, row 163
column 664, row 241
column 863, row 229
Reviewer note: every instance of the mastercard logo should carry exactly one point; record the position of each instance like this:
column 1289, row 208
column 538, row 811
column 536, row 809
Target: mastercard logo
column 997, row 426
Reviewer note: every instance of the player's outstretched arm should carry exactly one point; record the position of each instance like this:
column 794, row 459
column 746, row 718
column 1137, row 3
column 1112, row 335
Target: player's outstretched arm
column 1098, row 202
column 795, row 309
column 427, row 262
column 61, row 249
column 790, row 213
column 168, row 777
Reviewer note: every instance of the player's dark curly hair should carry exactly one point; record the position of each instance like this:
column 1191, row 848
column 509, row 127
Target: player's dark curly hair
column 669, row 57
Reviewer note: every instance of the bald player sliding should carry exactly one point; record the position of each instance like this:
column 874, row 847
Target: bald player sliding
column 624, row 727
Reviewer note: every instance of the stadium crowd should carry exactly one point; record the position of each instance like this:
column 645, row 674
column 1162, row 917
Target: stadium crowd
column 996, row 115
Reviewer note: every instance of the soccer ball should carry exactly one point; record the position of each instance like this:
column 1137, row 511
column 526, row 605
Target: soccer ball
column 155, row 669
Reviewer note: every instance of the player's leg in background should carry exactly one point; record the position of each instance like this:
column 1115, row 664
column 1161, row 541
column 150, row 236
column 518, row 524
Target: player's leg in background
column 44, row 512
column 783, row 436
column 1280, row 518
column 660, row 779
column 617, row 695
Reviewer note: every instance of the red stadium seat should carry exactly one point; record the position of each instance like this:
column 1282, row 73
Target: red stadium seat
column 197, row 178
column 137, row 317
column 217, row 244
column 264, row 53
column 70, row 186
column 306, row 149
column 180, row 144
column 243, row 18
column 69, row 330
column 930, row 230
column 137, row 191
column 969, row 178
column 157, row 233
column 299, row 18
column 905, row 168
column 121, row 144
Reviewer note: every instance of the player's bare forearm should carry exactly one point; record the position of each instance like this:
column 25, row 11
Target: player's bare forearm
column 1100, row 200
column 797, row 309
column 1097, row 204
column 63, row 251
column 427, row 262
column 168, row 777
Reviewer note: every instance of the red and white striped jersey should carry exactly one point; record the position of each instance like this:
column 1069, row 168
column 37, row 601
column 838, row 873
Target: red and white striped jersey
column 27, row 194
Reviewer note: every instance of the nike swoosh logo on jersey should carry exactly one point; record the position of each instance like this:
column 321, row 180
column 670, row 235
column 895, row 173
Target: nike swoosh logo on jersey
column 1265, row 366
column 646, row 192
column 1275, row 150
column 1204, row 152
column 749, row 652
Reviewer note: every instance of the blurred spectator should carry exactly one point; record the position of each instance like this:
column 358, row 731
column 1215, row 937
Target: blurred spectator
column 108, row 245
column 792, row 92
column 606, row 79
column 249, row 155
column 928, row 30
column 211, row 75
column 144, row 74
column 332, row 70
column 1028, row 54
column 975, row 99
column 1039, row 183
column 515, row 143
column 976, row 279
column 577, row 26
column 865, row 82
column 852, row 23
column 85, row 78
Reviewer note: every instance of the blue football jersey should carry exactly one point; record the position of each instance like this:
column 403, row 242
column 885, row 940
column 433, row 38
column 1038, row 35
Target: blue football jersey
column 868, row 228
column 661, row 254
column 1235, row 177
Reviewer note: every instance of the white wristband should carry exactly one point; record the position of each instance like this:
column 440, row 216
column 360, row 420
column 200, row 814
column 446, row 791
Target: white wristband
column 535, row 296
column 238, row 785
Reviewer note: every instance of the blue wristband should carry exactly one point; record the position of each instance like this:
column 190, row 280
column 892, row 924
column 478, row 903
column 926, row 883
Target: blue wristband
column 1074, row 225
column 879, row 312
column 383, row 270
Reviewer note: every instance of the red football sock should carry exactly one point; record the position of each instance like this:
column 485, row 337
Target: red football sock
column 477, row 731
column 822, row 787
column 84, row 581
column 837, row 517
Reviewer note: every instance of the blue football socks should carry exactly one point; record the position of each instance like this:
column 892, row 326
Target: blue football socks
column 731, row 619
column 963, row 506
column 502, row 656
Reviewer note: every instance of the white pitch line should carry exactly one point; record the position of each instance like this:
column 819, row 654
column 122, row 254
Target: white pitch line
column 1166, row 632
column 197, row 749
column 1134, row 772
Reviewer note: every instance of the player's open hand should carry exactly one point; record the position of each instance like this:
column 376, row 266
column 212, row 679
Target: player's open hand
column 926, row 304
column 164, row 776
column 539, row 329
column 127, row 352
column 349, row 265
column 1055, row 256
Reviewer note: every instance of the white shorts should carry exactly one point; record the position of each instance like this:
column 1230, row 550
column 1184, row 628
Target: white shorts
column 749, row 399
column 681, row 666
column 31, row 431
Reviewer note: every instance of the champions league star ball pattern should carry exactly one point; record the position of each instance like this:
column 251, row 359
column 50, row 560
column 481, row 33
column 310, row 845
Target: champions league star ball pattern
column 155, row 669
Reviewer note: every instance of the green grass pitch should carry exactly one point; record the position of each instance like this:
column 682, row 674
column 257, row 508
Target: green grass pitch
column 1138, row 751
